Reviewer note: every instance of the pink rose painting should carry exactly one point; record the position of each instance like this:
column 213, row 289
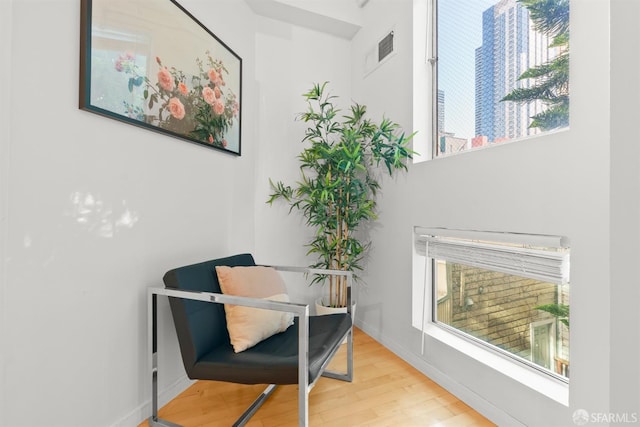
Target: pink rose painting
column 160, row 69
column 209, row 95
column 200, row 107
column 176, row 108
column 218, row 107
column 165, row 79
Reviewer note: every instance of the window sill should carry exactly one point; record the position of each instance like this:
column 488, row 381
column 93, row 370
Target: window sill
column 544, row 384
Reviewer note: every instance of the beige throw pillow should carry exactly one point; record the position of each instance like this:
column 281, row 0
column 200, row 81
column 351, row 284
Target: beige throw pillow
column 248, row 326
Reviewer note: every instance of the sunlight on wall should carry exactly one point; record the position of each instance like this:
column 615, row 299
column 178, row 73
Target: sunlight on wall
column 98, row 217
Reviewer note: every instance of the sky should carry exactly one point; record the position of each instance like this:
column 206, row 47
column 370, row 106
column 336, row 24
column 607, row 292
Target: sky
column 459, row 34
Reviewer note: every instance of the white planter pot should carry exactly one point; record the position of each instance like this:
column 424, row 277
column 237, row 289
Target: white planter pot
column 322, row 310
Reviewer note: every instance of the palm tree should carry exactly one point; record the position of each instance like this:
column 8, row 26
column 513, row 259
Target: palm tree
column 551, row 79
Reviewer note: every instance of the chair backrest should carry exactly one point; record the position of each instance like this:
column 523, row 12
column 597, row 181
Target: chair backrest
column 200, row 326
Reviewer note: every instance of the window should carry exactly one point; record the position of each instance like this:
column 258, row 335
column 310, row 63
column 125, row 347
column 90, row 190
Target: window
column 119, row 59
column 505, row 292
column 500, row 71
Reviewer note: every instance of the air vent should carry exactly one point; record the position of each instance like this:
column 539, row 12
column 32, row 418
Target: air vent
column 385, row 46
column 380, row 52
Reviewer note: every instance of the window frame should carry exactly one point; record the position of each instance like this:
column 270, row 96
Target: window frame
column 554, row 386
column 432, row 58
column 485, row 344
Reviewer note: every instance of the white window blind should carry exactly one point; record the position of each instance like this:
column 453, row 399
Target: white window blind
column 539, row 257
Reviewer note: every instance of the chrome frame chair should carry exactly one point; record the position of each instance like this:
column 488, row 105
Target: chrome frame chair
column 300, row 311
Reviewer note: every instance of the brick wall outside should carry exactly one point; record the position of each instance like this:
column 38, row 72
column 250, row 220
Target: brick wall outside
column 502, row 309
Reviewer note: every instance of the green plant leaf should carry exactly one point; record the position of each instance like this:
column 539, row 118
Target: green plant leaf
column 560, row 311
column 339, row 177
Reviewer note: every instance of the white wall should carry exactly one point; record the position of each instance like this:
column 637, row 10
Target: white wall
column 5, row 109
column 338, row 17
column 625, row 206
column 346, row 11
column 289, row 60
column 72, row 292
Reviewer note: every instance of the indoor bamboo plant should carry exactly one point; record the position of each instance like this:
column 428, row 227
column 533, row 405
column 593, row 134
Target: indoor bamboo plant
column 338, row 186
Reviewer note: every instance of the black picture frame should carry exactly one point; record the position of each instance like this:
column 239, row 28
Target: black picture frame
column 151, row 63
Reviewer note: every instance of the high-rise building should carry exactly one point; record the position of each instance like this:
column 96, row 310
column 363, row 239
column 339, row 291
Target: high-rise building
column 510, row 46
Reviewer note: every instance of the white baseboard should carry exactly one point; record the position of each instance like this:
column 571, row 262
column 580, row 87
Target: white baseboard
column 488, row 410
column 143, row 411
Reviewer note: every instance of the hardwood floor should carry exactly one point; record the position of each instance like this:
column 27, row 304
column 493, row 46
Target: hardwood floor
column 386, row 391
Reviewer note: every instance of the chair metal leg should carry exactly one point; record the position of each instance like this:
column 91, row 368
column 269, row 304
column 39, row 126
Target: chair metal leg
column 244, row 418
column 348, row 375
column 159, row 422
column 152, row 334
column 303, row 369
column 345, row 376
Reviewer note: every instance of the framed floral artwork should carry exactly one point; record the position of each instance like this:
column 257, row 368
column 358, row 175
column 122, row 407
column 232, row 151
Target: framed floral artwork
column 152, row 64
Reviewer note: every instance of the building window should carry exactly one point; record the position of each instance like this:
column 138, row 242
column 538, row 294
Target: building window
column 506, row 292
column 500, row 71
